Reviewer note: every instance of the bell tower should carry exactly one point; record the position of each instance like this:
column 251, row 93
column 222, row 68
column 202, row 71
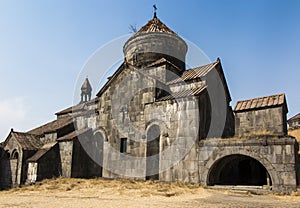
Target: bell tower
column 86, row 91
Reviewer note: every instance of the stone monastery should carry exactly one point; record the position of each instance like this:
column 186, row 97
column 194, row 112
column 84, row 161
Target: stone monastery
column 154, row 119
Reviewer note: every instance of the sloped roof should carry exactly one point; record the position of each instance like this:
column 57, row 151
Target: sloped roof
column 182, row 94
column 26, row 141
column 161, row 61
column 195, row 73
column 74, row 134
column 187, row 75
column 52, row 126
column 295, row 117
column 41, row 152
column 261, row 102
column 155, row 25
column 76, row 108
column 71, row 109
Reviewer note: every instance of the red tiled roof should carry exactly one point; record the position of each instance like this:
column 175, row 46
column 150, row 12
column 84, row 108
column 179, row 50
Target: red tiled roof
column 262, row 102
column 195, row 73
column 52, row 126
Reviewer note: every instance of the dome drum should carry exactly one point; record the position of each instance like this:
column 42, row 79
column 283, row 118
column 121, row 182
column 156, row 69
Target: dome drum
column 147, row 47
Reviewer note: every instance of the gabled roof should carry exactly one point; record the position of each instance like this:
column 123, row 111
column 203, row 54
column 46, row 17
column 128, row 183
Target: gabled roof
column 294, row 117
column 74, row 134
column 155, row 25
column 195, row 73
column 261, row 102
column 183, row 94
column 52, row 126
column 161, row 61
column 77, row 108
column 25, row 140
column 41, row 152
column 71, row 109
column 188, row 75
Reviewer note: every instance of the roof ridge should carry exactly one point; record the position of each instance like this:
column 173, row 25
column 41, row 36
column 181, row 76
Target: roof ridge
column 261, row 102
column 212, row 63
column 261, row 97
column 25, row 133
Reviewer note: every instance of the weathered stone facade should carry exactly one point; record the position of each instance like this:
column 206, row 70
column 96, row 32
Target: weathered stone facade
column 266, row 115
column 155, row 120
column 277, row 155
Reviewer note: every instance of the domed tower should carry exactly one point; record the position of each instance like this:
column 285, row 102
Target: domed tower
column 153, row 42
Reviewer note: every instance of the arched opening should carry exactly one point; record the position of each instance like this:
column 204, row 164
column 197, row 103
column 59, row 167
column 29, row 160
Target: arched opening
column 15, row 155
column 152, row 153
column 14, row 163
column 238, row 170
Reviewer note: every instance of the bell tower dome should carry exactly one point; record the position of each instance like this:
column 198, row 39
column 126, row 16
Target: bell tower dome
column 153, row 42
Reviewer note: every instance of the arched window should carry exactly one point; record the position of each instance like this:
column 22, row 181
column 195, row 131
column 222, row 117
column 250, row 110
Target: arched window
column 15, row 155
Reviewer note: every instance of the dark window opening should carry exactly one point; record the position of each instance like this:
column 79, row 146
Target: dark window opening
column 123, row 147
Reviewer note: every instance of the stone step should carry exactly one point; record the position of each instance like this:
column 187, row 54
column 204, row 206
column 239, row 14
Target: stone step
column 244, row 189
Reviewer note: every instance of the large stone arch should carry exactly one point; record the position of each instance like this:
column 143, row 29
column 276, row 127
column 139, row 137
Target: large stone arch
column 221, row 154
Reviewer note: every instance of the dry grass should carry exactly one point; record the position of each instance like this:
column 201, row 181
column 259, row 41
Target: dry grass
column 148, row 188
column 90, row 193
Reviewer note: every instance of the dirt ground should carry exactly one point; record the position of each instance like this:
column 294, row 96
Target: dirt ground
column 100, row 193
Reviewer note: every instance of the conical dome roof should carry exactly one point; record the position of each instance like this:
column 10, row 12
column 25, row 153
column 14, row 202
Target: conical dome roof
column 155, row 25
column 155, row 41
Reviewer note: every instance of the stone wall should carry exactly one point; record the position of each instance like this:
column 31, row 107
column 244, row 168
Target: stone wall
column 262, row 121
column 15, row 165
column 277, row 155
column 150, row 47
column 48, row 137
column 49, row 164
column 66, row 154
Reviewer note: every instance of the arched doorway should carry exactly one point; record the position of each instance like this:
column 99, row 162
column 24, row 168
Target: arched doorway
column 14, row 163
column 238, row 170
column 152, row 153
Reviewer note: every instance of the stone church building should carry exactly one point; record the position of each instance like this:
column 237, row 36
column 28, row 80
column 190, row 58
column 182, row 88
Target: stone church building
column 154, row 119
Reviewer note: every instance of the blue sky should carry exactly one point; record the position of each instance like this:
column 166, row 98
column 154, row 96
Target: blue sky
column 45, row 43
